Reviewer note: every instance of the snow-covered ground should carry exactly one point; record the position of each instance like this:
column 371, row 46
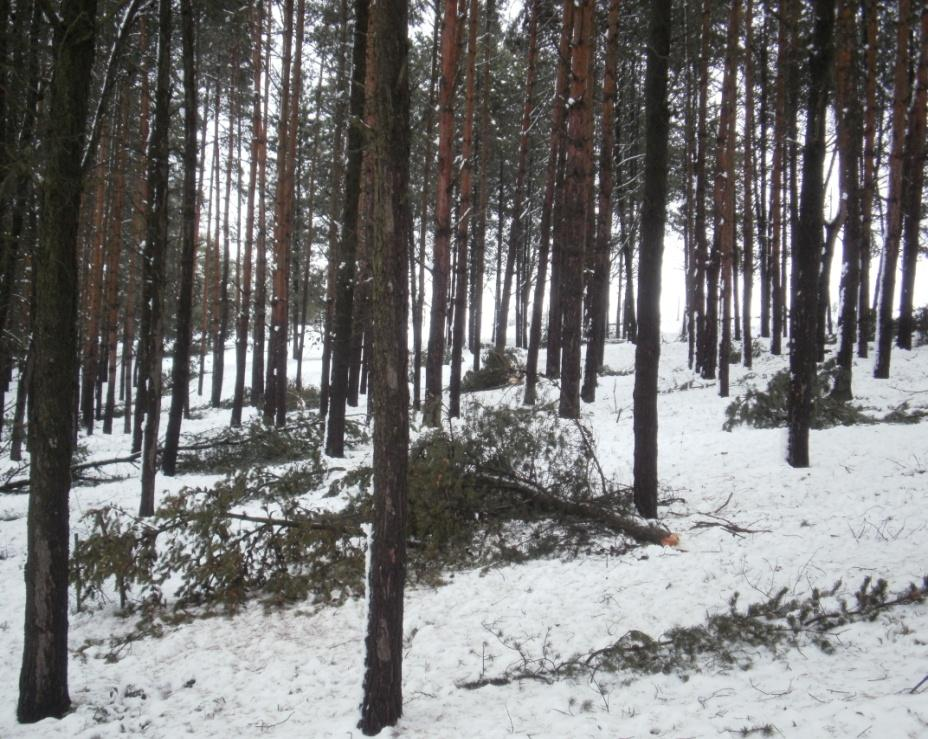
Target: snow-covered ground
column 861, row 509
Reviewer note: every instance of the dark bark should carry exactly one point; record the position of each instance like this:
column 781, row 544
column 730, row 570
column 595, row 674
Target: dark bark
column 382, row 703
column 808, row 240
column 912, row 203
column 43, row 680
column 850, row 133
column 180, row 369
column 460, row 297
column 555, row 149
column 345, row 271
column 868, row 185
column 335, row 179
column 573, row 244
column 441, row 257
column 258, row 141
column 151, row 330
column 748, row 214
column 897, row 183
column 653, row 218
column 599, row 282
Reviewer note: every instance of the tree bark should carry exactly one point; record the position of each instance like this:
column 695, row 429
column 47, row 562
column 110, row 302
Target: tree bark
column 573, row 248
column 43, row 679
column 599, row 283
column 869, row 180
column 460, row 297
column 441, row 257
column 382, row 704
column 897, row 183
column 345, row 272
column 912, row 204
column 808, row 240
column 653, row 218
column 151, row 330
column 180, row 369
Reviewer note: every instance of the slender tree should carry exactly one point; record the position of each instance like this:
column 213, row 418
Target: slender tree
column 382, row 703
column 747, row 222
column 441, row 258
column 915, row 177
column 555, row 148
column 901, row 90
column 847, row 115
column 43, row 679
column 869, row 179
column 467, row 150
column 599, row 283
column 579, row 168
column 653, row 218
column 807, row 243
column 151, row 330
column 345, row 270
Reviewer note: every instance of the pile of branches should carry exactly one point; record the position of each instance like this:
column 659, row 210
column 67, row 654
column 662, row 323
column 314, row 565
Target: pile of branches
column 507, row 485
column 765, row 409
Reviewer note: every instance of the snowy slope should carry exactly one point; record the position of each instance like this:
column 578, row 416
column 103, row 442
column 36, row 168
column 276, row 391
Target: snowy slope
column 860, row 510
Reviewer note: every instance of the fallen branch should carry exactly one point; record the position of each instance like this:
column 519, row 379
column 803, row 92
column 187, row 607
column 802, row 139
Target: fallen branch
column 545, row 501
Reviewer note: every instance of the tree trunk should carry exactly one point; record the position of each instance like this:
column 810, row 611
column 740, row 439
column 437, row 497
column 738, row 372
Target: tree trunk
column 653, row 218
column 460, row 299
column 912, row 203
column 847, row 115
column 382, row 702
column 345, row 271
column 517, row 224
column 151, row 330
column 748, row 214
column 897, row 183
column 704, row 349
column 441, row 258
column 43, row 679
column 808, row 240
column 258, row 140
column 556, row 146
column 725, row 193
column 599, row 284
column 260, row 322
column 573, row 248
column 869, row 181
column 335, row 180
column 180, row 369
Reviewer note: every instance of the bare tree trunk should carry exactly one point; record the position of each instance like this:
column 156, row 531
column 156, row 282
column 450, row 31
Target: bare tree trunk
column 441, row 258
column 653, row 218
column 850, row 132
column 114, row 247
column 517, row 225
column 556, row 145
column 912, row 204
column 43, row 679
column 180, row 369
column 807, row 241
column 345, row 272
column 869, row 180
column 704, row 349
column 599, row 284
column 901, row 91
column 151, row 330
column 579, row 166
column 335, row 180
column 725, row 193
column 260, row 322
column 460, row 299
column 382, row 703
column 748, row 216
column 776, row 181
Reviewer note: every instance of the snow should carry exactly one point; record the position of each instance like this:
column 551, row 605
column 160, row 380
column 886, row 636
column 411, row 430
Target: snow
column 859, row 510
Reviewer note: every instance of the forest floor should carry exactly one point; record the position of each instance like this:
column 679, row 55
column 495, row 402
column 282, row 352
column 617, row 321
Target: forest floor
column 747, row 523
